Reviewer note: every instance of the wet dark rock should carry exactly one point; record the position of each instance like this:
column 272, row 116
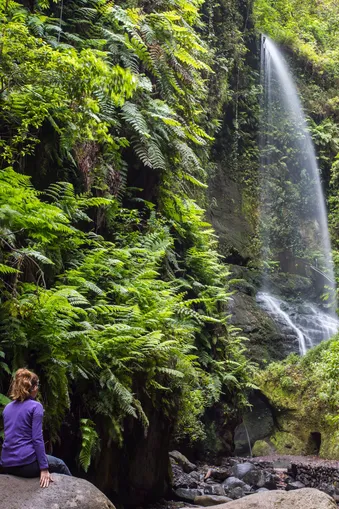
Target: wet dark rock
column 195, row 475
column 181, row 460
column 241, row 469
column 255, row 477
column 214, row 489
column 218, row 474
column 188, row 495
column 257, row 425
column 271, row 481
column 266, row 341
column 208, row 500
column 238, row 492
column 182, row 480
column 233, row 482
column 218, row 489
column 296, row 485
column 232, row 461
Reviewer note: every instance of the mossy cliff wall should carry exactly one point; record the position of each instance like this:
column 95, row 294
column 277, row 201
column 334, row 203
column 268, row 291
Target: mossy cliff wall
column 233, row 179
column 304, row 393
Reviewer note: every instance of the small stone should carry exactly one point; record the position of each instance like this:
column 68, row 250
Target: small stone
column 233, row 482
column 195, row 475
column 207, row 500
column 271, row 482
column 233, row 461
column 218, row 489
column 237, row 492
column 220, row 475
column 186, row 494
column 255, row 477
column 296, row 485
column 242, row 469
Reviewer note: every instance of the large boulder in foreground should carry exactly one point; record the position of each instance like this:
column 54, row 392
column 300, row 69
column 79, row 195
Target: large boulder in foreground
column 64, row 493
column 306, row 498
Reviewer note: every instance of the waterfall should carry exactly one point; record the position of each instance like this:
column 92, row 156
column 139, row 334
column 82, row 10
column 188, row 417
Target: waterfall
column 293, row 226
column 306, row 323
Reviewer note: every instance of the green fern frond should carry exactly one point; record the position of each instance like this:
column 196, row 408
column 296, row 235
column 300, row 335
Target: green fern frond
column 89, row 444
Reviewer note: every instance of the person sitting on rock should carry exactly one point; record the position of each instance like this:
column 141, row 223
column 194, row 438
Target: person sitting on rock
column 23, row 451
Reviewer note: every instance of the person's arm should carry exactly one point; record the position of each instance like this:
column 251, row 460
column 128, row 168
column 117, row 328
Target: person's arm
column 39, row 446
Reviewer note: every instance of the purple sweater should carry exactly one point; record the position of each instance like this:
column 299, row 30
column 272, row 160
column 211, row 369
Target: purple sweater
column 23, row 443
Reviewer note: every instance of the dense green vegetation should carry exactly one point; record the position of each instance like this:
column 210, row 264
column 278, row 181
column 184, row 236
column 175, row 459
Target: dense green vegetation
column 309, row 27
column 111, row 285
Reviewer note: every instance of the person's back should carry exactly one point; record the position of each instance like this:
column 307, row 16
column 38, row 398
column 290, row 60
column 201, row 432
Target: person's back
column 22, row 421
column 23, row 452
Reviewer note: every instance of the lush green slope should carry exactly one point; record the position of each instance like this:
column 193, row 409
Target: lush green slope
column 307, row 26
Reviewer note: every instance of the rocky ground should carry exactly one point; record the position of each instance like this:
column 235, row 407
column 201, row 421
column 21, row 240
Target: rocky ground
column 206, row 485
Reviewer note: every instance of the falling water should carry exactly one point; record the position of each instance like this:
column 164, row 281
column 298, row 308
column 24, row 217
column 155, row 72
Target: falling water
column 294, row 227
column 305, row 322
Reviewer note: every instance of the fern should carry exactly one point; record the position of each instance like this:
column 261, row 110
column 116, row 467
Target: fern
column 6, row 269
column 89, row 443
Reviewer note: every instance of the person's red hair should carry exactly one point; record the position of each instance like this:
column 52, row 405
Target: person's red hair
column 23, row 383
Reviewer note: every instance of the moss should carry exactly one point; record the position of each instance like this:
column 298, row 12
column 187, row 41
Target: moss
column 288, row 443
column 330, row 444
column 261, row 448
column 304, row 392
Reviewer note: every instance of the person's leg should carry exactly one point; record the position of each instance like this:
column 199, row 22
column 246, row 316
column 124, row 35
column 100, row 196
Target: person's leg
column 31, row 470
column 57, row 466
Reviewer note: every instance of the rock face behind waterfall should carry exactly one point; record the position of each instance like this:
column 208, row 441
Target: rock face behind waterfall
column 64, row 493
column 307, row 498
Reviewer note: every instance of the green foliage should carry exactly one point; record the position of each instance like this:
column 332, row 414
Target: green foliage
column 112, row 306
column 104, row 316
column 310, row 28
column 89, row 442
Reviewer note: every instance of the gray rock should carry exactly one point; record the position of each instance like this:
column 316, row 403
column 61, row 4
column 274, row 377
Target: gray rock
column 195, row 475
column 214, row 489
column 237, row 492
column 260, row 490
column 64, row 493
column 241, row 469
column 208, row 500
column 187, row 495
column 182, row 480
column 232, row 461
column 220, row 474
column 255, row 477
column 233, row 482
column 218, row 489
column 186, row 465
column 271, row 481
column 306, row 498
column 296, row 485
